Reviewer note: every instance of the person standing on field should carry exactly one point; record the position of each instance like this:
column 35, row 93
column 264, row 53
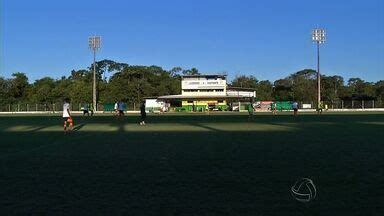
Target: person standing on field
column 120, row 108
column 295, row 107
column 142, row 113
column 67, row 115
column 251, row 109
column 116, row 106
column 91, row 108
column 86, row 109
column 320, row 108
column 273, row 108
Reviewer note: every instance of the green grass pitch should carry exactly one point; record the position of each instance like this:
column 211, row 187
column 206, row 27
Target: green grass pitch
column 192, row 164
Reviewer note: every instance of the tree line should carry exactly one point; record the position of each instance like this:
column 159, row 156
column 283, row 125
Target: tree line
column 132, row 83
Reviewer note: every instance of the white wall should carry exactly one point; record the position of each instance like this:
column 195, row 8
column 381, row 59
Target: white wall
column 203, row 93
column 153, row 103
column 241, row 93
column 203, row 83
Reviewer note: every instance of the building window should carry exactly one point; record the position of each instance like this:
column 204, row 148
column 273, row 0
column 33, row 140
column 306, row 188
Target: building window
column 219, row 90
column 190, row 101
column 220, row 101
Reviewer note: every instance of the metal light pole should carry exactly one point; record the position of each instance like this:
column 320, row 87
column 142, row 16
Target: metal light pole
column 94, row 44
column 318, row 36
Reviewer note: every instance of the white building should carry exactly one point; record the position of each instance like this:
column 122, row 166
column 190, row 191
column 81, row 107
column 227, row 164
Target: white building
column 209, row 92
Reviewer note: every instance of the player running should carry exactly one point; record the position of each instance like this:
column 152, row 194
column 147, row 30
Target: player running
column 67, row 115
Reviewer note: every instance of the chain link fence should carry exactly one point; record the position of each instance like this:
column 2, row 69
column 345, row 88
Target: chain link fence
column 345, row 104
column 58, row 107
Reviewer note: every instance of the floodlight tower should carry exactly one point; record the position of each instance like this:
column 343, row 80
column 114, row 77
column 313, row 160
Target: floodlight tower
column 318, row 36
column 94, row 44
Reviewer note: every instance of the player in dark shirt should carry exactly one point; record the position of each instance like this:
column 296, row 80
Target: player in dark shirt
column 142, row 113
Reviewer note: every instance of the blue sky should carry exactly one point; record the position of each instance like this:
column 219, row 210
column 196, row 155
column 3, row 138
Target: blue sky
column 269, row 39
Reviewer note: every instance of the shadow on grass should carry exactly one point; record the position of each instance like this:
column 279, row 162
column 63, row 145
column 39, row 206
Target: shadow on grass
column 208, row 172
column 78, row 127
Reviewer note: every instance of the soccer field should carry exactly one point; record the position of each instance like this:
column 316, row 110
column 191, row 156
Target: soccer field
column 192, row 164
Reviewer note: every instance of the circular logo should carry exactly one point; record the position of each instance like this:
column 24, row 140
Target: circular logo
column 304, row 190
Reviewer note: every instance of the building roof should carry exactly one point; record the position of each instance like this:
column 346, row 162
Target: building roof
column 240, row 88
column 206, row 75
column 168, row 97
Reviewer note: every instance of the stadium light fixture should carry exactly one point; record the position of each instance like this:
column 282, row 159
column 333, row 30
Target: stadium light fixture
column 94, row 44
column 319, row 37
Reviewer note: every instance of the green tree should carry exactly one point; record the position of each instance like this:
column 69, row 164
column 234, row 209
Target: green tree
column 133, row 83
column 380, row 93
column 282, row 89
column 80, row 92
column 41, row 91
column 332, row 88
column 304, row 85
column 245, row 82
column 18, row 87
column 107, row 66
column 62, row 90
column 264, row 90
column 82, row 74
column 175, row 71
column 4, row 91
column 361, row 89
column 192, row 71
